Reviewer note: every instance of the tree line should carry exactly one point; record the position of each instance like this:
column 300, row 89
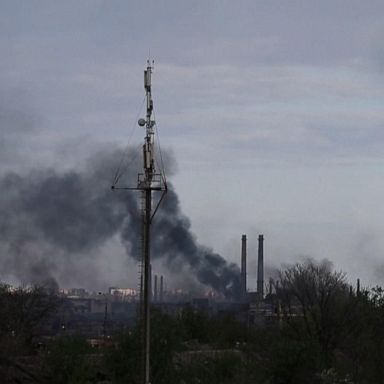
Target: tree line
column 324, row 332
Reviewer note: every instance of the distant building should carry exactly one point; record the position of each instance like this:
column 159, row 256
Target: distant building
column 123, row 293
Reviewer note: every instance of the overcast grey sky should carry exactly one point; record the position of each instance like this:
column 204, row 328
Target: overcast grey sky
column 273, row 110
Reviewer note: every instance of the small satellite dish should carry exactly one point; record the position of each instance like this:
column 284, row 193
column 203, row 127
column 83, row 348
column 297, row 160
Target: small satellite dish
column 141, row 122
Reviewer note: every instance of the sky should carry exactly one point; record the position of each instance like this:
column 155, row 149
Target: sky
column 271, row 111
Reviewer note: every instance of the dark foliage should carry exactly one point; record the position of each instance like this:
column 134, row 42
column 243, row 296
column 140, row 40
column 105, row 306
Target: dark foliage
column 324, row 333
column 22, row 314
column 67, row 362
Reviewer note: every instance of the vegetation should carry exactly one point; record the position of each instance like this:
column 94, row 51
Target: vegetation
column 324, row 333
column 22, row 312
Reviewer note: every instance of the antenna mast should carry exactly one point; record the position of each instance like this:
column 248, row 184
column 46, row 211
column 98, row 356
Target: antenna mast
column 144, row 184
column 149, row 180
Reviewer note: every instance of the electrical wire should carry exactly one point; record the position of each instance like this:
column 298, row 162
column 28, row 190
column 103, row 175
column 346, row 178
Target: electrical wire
column 118, row 174
column 160, row 152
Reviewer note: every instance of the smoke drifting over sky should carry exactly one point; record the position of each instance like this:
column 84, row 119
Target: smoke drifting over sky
column 52, row 222
column 274, row 111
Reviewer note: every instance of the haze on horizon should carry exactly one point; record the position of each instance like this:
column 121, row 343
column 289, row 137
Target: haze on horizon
column 271, row 110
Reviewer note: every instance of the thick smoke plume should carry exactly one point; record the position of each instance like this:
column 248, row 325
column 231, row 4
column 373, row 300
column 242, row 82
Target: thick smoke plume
column 52, row 222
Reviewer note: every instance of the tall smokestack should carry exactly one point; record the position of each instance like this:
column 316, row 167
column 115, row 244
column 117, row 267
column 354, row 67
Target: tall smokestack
column 155, row 290
column 260, row 268
column 161, row 288
column 150, row 283
column 243, row 277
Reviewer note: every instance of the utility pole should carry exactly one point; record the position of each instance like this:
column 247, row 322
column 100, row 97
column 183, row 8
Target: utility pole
column 148, row 181
column 145, row 184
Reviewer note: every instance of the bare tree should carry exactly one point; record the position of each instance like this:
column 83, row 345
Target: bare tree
column 22, row 312
column 317, row 303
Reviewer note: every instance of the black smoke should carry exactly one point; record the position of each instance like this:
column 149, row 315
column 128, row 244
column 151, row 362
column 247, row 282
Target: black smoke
column 52, row 222
column 178, row 245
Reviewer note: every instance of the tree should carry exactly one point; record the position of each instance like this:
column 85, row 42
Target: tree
column 322, row 314
column 22, row 312
column 67, row 361
column 313, row 293
column 123, row 361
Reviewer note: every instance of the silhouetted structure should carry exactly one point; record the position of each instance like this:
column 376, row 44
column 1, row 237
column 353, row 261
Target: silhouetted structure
column 260, row 268
column 155, row 296
column 161, row 289
column 243, row 281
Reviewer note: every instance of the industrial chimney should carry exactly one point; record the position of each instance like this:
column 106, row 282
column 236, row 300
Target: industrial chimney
column 161, row 289
column 150, row 283
column 155, row 298
column 260, row 268
column 243, row 277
